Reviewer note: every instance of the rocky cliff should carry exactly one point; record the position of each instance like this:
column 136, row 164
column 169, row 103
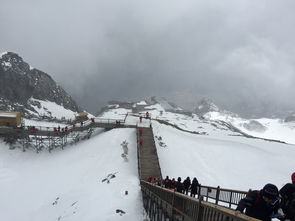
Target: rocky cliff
column 19, row 82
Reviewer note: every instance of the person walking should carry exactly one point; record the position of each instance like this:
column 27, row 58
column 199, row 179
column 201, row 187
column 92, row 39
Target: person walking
column 172, row 185
column 260, row 204
column 186, row 185
column 167, row 182
column 287, row 193
column 140, row 142
column 194, row 187
column 179, row 185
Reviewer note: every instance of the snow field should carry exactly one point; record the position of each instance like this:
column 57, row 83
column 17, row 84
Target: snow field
column 31, row 183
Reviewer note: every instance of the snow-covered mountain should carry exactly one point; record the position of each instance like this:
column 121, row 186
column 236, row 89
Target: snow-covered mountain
column 268, row 128
column 23, row 88
column 208, row 113
column 148, row 103
column 206, row 105
column 68, row 184
column 290, row 118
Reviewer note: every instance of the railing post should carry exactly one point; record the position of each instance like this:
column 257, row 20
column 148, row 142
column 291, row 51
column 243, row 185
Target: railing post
column 217, row 195
column 230, row 198
column 200, row 210
column 199, row 191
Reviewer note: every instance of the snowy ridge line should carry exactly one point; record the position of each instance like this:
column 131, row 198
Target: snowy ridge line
column 159, row 202
column 235, row 129
column 228, row 125
column 177, row 127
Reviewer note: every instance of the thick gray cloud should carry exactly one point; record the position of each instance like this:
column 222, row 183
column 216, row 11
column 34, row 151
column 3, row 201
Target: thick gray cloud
column 239, row 52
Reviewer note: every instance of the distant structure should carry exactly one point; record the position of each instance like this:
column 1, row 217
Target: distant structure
column 82, row 116
column 10, row 119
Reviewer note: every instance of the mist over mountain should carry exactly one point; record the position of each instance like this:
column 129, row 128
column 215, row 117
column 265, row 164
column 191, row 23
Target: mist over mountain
column 21, row 85
column 19, row 82
column 190, row 101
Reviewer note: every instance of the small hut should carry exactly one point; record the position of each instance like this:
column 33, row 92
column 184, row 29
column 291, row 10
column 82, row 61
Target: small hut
column 10, row 119
column 82, row 116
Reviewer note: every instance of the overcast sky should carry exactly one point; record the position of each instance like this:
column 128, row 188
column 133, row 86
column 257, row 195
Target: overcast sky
column 238, row 52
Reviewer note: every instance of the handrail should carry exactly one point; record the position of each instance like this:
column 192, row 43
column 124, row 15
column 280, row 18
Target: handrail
column 227, row 197
column 171, row 203
column 138, row 153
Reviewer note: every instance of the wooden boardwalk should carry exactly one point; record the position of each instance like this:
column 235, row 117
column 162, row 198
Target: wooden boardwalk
column 148, row 162
column 49, row 131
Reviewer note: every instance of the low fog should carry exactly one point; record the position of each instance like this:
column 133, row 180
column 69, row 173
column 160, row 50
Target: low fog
column 240, row 53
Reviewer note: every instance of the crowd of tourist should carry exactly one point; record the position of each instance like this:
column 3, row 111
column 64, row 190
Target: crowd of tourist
column 185, row 187
column 264, row 204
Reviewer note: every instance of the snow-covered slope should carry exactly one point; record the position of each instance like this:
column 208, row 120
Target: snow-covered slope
column 267, row 128
column 227, row 161
column 67, row 185
column 50, row 109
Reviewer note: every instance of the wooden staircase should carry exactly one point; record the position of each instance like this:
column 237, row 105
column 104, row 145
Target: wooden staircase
column 148, row 162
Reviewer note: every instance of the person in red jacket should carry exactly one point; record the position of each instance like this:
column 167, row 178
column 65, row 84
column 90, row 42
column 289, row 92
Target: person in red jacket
column 150, row 179
column 141, row 142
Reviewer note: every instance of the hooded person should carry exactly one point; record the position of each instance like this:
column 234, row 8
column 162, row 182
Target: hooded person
column 260, row 204
column 194, row 187
column 287, row 193
column 179, row 185
column 167, row 182
column 186, row 185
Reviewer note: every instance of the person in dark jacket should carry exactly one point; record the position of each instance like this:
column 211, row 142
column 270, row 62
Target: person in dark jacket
column 287, row 193
column 179, row 185
column 186, row 185
column 167, row 182
column 194, row 187
column 260, row 204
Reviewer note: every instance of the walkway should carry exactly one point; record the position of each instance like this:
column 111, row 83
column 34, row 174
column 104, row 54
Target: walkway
column 148, row 161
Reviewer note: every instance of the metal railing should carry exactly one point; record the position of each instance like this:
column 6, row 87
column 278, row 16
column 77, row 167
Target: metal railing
column 162, row 204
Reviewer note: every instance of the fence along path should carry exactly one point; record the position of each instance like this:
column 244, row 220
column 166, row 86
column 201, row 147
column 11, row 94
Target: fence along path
column 49, row 131
column 163, row 204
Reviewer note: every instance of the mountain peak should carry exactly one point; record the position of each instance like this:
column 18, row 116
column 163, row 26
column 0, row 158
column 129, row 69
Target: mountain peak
column 19, row 82
column 163, row 102
column 206, row 105
column 12, row 61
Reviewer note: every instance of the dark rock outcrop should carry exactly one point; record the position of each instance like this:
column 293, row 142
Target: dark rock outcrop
column 204, row 106
column 19, row 82
column 290, row 118
column 254, row 125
